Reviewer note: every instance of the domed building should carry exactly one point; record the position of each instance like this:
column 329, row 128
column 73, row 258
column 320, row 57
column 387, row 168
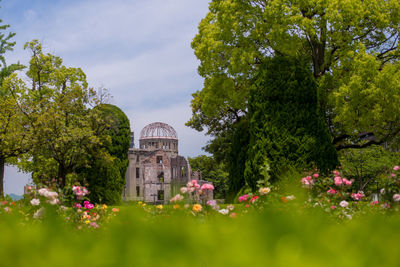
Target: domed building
column 155, row 171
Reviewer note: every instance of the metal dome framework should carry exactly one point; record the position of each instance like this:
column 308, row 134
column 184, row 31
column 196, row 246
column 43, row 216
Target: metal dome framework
column 158, row 130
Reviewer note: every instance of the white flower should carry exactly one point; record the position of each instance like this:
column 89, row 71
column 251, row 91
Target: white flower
column 38, row 213
column 184, row 190
column 224, row 211
column 35, row 202
column 396, row 197
column 383, row 191
column 176, row 198
column 264, row 190
column 51, row 195
column 291, row 197
column 43, row 191
column 344, row 204
column 54, row 201
column 230, row 207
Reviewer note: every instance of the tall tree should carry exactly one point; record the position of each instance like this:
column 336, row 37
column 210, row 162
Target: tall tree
column 12, row 134
column 62, row 124
column 351, row 45
column 106, row 175
column 286, row 126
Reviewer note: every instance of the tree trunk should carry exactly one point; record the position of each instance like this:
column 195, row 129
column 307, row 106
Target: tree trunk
column 2, row 163
column 61, row 176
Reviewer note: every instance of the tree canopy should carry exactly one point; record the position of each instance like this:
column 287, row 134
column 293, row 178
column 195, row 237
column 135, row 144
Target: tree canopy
column 352, row 47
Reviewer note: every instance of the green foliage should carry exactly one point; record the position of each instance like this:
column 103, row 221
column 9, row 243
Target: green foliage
column 368, row 166
column 237, row 158
column 56, row 109
column 286, row 128
column 352, row 47
column 213, row 172
column 106, row 178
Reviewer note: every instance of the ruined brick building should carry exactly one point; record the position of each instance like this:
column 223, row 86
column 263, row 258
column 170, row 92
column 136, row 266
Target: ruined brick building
column 155, row 171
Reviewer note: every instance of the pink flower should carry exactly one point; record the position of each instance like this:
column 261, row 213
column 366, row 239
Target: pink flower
column 335, row 172
column 393, row 175
column 396, row 168
column 396, row 197
column 347, row 182
column 357, row 196
column 316, row 175
column 338, row 181
column 207, row 187
column 77, row 205
column 243, row 198
column 374, row 203
column 307, row 181
column 331, row 191
column 88, row 205
column 94, row 225
column 333, row 207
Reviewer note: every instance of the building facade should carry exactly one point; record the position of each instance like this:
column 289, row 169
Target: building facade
column 155, row 171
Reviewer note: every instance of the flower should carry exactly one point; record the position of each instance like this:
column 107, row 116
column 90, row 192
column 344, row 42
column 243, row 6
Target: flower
column 233, row 215
column 315, row 175
column 344, row 204
column 331, row 191
column 88, row 205
column 176, row 206
column 396, row 197
column 224, row 211
column 383, row 191
column 176, row 198
column 333, row 207
column 159, row 207
column 247, row 205
column 7, row 209
column 230, row 207
column 207, row 187
column 38, row 213
column 347, row 182
column 184, row 190
column 374, row 203
column 94, row 225
column 335, row 172
column 357, row 196
column 338, row 180
column 283, row 199
column 307, row 181
column 264, row 190
column 253, row 198
column 77, row 205
column 396, row 168
column 291, row 197
column 42, row 191
column 35, row 202
column 54, row 201
column 197, row 208
column 115, row 210
column 243, row 198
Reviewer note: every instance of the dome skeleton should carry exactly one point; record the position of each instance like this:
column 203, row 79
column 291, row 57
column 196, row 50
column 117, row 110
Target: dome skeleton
column 158, row 130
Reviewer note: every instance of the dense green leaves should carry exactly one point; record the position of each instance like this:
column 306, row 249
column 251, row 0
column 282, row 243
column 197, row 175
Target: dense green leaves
column 286, row 127
column 106, row 176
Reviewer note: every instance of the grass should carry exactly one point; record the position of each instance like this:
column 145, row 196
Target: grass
column 274, row 237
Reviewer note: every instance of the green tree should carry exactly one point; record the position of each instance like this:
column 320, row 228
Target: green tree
column 12, row 133
column 286, row 127
column 106, row 176
column 57, row 108
column 212, row 171
column 352, row 47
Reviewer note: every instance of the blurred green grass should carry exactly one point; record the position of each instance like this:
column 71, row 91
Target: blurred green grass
column 273, row 237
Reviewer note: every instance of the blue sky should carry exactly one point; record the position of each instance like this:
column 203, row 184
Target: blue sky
column 139, row 50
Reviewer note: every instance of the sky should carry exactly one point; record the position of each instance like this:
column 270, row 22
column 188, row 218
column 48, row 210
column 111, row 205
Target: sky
column 139, row 50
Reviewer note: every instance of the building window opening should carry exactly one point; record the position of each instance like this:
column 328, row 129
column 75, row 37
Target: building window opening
column 138, row 191
column 159, row 159
column 160, row 195
column 137, row 159
column 161, row 177
column 183, row 171
column 137, row 172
